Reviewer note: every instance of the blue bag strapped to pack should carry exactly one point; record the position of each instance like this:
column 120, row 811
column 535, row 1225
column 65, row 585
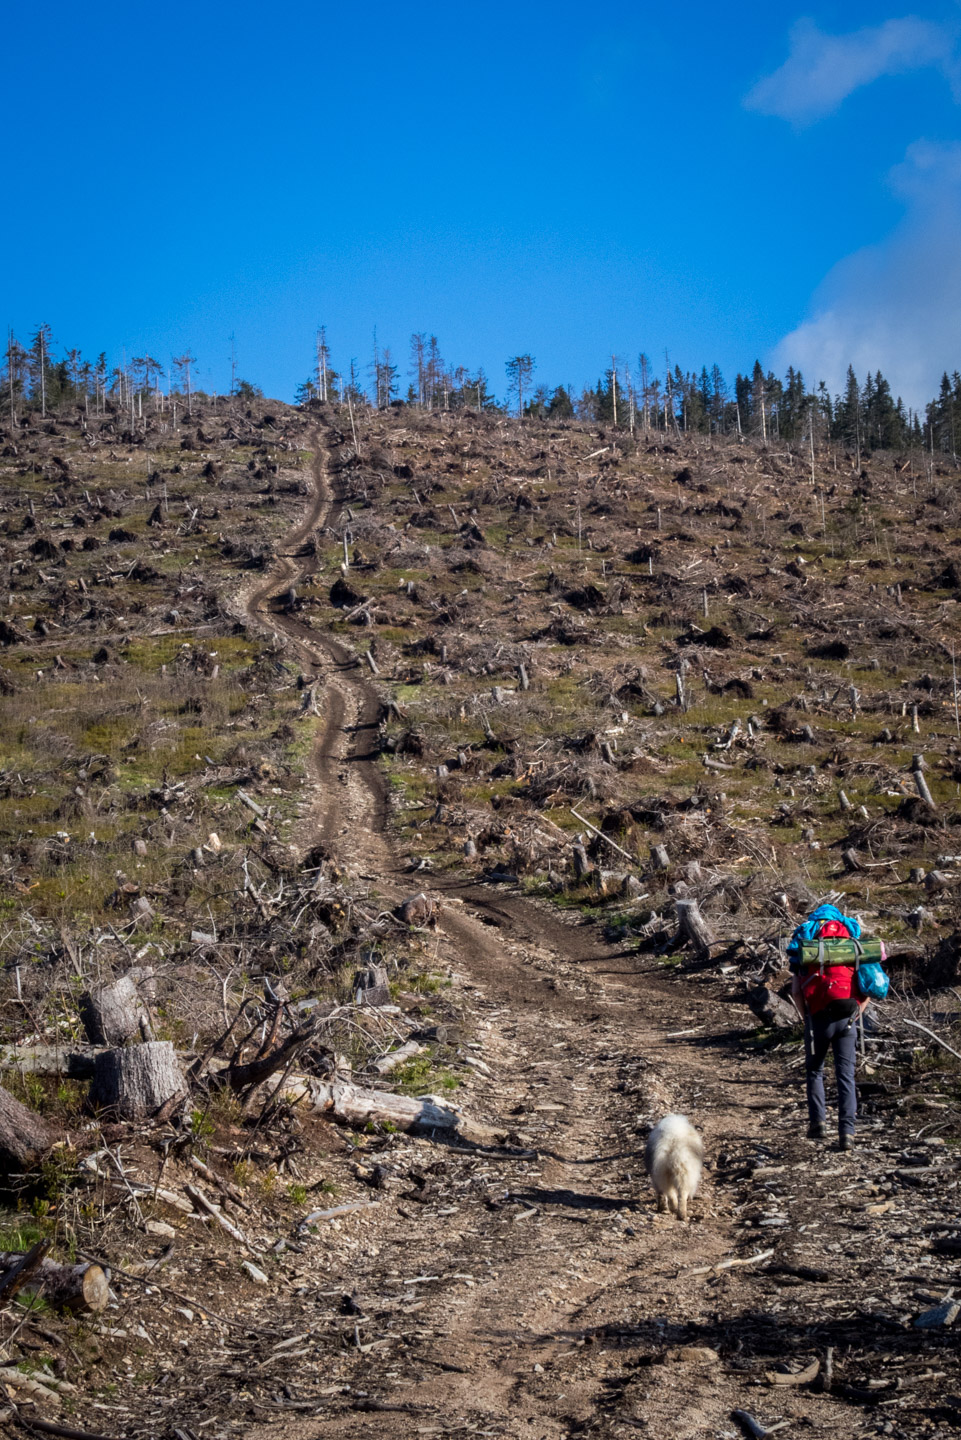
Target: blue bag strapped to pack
column 872, row 981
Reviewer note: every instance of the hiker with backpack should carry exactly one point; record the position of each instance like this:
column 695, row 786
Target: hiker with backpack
column 837, row 972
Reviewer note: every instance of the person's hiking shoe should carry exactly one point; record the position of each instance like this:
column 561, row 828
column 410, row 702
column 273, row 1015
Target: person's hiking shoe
column 815, row 1132
column 846, row 1142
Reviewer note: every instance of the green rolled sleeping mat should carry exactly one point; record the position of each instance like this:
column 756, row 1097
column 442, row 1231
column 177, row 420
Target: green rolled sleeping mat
column 842, row 952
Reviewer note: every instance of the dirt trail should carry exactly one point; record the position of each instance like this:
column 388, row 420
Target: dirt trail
column 537, row 1294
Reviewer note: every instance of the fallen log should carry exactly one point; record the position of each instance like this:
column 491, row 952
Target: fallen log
column 135, row 1083
column 801, row 1377
column 358, row 1108
column 82, row 1289
column 74, row 1062
column 207, row 1206
column 396, row 1058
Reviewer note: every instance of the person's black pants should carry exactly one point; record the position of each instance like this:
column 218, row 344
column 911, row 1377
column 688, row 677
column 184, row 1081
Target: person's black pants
column 841, row 1037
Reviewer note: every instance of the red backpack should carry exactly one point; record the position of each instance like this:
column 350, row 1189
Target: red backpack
column 823, row 984
column 822, row 987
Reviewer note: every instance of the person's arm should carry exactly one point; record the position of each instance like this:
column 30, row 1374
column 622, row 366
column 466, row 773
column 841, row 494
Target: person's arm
column 797, row 993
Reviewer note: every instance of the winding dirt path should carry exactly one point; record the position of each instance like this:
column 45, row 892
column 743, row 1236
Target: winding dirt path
column 533, row 1295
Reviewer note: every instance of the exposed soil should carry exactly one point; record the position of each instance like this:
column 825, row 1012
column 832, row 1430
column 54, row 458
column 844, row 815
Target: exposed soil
column 539, row 1293
column 527, row 1289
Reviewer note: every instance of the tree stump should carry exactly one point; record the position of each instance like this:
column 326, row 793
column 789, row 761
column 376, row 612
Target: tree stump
column 773, row 1009
column 660, row 859
column 416, row 910
column 371, row 987
column 24, row 1136
column 116, row 1012
column 693, row 929
column 921, row 785
column 582, row 865
column 135, row 1083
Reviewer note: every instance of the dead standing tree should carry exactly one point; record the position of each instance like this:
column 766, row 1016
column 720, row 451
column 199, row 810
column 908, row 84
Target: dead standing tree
column 182, row 364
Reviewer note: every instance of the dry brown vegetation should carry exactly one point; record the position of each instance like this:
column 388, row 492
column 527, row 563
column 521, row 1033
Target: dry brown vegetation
column 598, row 675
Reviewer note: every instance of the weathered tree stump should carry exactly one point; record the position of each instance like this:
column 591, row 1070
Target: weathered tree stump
column 692, row 929
column 582, row 864
column 116, row 1012
column 660, row 859
column 24, row 1137
column 773, row 1009
column 416, row 910
column 371, row 987
column 133, row 1084
column 921, row 786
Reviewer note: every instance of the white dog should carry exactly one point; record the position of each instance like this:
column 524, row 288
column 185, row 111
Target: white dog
column 673, row 1158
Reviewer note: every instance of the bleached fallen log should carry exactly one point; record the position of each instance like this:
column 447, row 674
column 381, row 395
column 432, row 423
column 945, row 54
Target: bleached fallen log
column 396, row 1058
column 936, row 1038
column 19, row 1381
column 245, row 799
column 731, row 1263
column 802, row 1377
column 74, row 1062
column 353, row 1106
column 606, row 838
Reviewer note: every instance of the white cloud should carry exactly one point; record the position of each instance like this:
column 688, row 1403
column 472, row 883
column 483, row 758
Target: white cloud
column 895, row 306
column 823, row 70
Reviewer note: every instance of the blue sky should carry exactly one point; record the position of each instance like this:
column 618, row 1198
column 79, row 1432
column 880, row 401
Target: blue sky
column 722, row 182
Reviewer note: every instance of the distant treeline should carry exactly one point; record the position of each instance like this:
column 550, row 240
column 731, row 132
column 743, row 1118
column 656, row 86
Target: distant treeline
column 641, row 396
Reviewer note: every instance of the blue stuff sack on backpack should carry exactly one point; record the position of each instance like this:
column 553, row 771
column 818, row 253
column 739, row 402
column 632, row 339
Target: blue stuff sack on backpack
column 872, row 981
